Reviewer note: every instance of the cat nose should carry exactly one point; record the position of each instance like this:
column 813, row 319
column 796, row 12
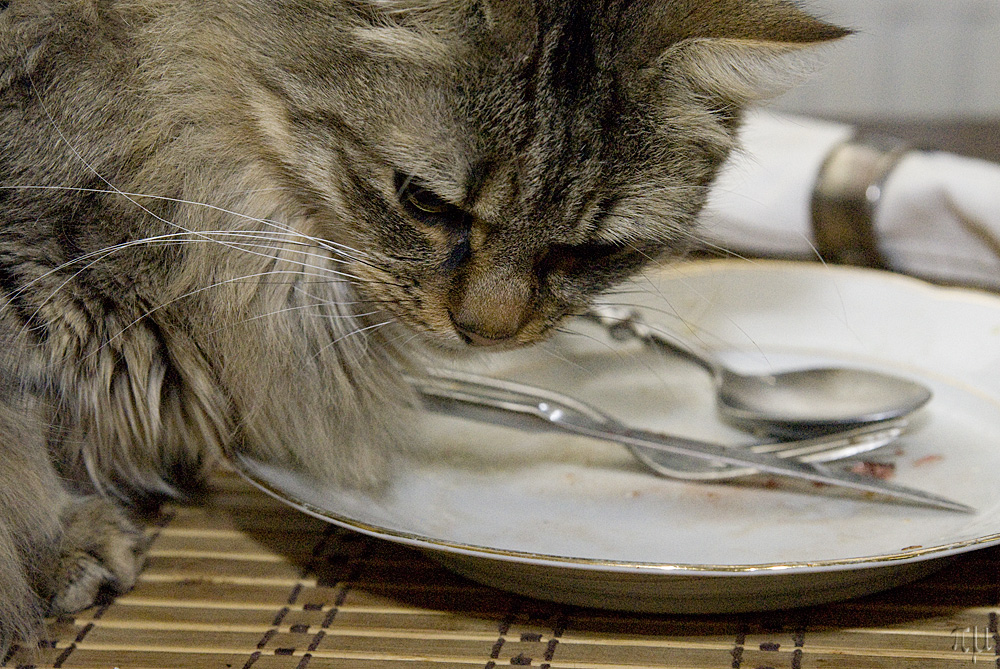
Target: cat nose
column 483, row 329
column 491, row 309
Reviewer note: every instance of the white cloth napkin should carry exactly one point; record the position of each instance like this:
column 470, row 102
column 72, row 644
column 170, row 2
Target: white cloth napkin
column 938, row 218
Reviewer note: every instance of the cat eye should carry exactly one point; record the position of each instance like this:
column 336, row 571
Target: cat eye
column 425, row 205
column 426, row 201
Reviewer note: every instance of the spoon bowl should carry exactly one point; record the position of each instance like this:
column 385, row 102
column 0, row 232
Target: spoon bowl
column 815, row 400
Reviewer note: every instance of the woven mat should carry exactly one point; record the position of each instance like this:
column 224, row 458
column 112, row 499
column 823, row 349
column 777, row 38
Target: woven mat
column 243, row 581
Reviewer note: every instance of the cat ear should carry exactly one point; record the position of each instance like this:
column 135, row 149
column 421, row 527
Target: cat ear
column 741, row 71
column 744, row 50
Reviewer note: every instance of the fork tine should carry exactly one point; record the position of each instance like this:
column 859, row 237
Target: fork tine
column 826, row 448
column 836, row 445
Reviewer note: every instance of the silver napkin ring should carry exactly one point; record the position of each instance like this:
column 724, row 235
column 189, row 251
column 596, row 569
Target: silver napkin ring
column 846, row 196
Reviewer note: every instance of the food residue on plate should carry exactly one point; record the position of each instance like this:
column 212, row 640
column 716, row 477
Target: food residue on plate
column 879, row 470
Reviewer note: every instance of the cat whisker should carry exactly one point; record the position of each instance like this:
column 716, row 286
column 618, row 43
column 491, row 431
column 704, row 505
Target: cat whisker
column 166, row 239
column 658, row 329
column 394, row 301
column 96, row 257
column 334, row 247
column 301, row 307
column 711, row 246
column 100, row 255
column 655, row 289
column 633, row 305
column 404, row 337
column 79, row 156
column 326, row 316
column 552, row 352
column 186, row 295
column 616, row 350
column 355, row 333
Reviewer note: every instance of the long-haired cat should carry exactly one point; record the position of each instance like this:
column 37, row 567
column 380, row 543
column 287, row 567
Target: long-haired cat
column 227, row 224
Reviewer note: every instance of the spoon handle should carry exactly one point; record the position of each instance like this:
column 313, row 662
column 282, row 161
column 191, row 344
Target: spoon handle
column 626, row 323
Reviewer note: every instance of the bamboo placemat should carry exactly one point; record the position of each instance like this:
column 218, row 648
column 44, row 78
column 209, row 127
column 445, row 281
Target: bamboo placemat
column 243, row 581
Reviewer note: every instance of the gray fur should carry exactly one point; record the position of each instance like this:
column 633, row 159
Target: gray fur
column 203, row 248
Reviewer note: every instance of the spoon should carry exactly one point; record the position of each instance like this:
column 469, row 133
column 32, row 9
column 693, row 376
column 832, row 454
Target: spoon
column 798, row 402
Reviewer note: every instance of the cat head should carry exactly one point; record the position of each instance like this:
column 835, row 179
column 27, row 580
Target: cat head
column 500, row 162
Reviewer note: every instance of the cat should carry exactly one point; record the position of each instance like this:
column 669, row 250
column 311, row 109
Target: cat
column 230, row 225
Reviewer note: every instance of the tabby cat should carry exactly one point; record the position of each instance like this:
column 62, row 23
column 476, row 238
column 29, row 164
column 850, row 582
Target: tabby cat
column 230, row 224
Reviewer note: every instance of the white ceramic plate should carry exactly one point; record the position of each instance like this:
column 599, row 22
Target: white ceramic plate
column 578, row 521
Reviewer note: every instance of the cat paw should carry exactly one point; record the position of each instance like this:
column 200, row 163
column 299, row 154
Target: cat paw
column 101, row 555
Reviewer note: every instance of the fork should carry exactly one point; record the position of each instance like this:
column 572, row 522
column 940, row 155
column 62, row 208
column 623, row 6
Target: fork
column 514, row 404
column 455, row 393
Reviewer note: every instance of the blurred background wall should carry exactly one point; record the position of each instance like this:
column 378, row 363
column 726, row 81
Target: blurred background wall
column 925, row 69
column 910, row 59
